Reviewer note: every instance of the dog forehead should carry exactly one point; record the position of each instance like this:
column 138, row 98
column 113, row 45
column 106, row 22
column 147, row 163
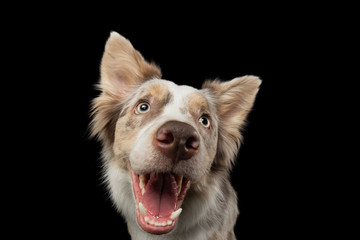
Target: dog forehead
column 186, row 102
column 178, row 102
column 160, row 88
column 181, row 93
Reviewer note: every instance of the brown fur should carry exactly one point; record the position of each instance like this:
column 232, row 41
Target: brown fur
column 159, row 92
column 197, row 104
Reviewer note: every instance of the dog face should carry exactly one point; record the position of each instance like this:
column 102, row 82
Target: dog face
column 167, row 137
column 167, row 128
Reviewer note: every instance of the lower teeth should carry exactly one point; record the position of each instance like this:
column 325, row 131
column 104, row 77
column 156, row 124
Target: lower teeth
column 156, row 223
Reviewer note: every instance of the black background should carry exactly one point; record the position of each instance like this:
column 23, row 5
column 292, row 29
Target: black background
column 61, row 191
column 190, row 57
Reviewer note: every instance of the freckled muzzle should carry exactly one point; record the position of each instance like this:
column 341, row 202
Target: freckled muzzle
column 177, row 140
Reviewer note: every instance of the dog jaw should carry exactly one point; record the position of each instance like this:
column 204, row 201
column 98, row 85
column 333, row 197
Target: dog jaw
column 152, row 216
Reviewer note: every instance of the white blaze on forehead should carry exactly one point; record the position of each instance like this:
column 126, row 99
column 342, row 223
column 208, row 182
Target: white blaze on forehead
column 174, row 110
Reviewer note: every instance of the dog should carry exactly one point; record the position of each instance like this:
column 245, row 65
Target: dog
column 168, row 150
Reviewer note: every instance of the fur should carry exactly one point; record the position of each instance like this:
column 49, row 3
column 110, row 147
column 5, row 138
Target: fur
column 210, row 204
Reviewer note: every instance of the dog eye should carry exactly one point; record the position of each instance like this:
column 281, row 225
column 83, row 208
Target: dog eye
column 142, row 108
column 204, row 121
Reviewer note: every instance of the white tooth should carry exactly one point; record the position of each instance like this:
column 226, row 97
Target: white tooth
column 152, row 222
column 146, row 219
column 176, row 214
column 142, row 191
column 157, row 223
column 179, row 183
column 163, row 224
column 169, row 222
column 142, row 209
column 142, row 181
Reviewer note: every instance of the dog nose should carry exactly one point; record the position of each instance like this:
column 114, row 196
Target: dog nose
column 177, row 140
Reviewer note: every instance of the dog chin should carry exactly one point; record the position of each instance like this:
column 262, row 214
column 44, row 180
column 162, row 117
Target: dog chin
column 158, row 199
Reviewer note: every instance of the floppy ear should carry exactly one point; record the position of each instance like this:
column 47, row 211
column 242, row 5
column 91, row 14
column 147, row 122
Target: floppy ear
column 123, row 67
column 233, row 100
column 122, row 70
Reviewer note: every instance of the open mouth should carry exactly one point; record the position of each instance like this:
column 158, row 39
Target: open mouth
column 158, row 200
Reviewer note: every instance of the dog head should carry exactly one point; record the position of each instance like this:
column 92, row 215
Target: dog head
column 166, row 136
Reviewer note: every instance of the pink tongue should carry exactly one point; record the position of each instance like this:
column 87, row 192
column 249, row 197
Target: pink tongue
column 160, row 194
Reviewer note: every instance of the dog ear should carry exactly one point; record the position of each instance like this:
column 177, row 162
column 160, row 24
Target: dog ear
column 123, row 67
column 233, row 100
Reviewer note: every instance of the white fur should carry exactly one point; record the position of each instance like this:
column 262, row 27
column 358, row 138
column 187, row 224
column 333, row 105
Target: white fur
column 180, row 94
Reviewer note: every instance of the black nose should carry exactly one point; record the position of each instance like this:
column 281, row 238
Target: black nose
column 177, row 140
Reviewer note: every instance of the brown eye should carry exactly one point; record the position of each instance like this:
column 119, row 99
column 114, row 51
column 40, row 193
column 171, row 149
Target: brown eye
column 204, row 121
column 142, row 108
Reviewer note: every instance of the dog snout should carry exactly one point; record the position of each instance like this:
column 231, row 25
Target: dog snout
column 177, row 140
